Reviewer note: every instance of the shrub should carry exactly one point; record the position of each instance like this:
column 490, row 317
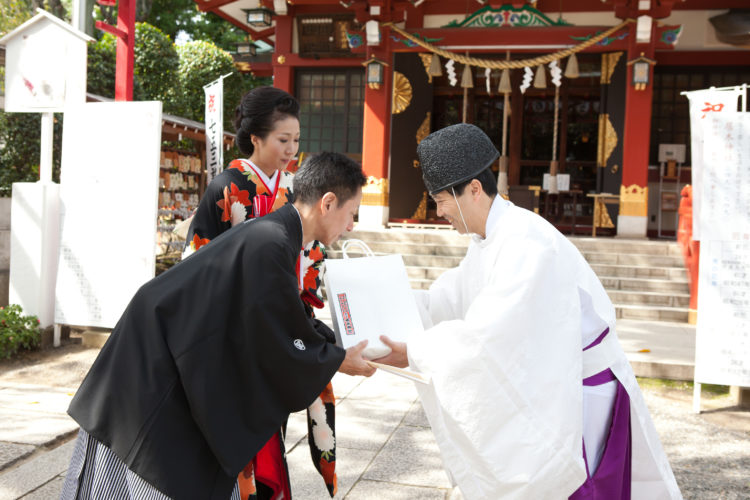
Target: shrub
column 17, row 331
column 19, row 148
column 200, row 64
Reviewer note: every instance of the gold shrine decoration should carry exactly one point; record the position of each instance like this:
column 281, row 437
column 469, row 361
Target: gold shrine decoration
column 426, row 61
column 607, row 140
column 634, row 200
column 601, row 215
column 424, row 129
column 421, row 212
column 402, row 93
column 375, row 192
column 502, row 64
column 609, row 62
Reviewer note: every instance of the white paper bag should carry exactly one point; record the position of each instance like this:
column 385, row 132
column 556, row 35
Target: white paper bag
column 370, row 297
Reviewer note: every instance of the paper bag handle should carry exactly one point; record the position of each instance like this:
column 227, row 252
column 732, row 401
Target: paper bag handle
column 355, row 243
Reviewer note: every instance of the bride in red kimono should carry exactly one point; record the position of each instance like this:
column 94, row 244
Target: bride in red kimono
column 267, row 125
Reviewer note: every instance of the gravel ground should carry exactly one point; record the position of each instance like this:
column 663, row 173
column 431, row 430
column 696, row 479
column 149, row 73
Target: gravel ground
column 709, row 452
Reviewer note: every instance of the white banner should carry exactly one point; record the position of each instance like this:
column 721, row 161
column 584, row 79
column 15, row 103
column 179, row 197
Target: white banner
column 722, row 350
column 704, row 104
column 214, row 128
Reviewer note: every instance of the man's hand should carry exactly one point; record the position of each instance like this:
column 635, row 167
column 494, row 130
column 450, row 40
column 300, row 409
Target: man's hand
column 354, row 363
column 397, row 357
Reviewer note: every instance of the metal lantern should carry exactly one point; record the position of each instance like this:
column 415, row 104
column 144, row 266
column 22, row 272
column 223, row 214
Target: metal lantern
column 641, row 71
column 246, row 49
column 260, row 17
column 375, row 72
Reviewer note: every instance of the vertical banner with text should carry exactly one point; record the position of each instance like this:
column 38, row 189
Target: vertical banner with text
column 703, row 105
column 722, row 348
column 214, row 128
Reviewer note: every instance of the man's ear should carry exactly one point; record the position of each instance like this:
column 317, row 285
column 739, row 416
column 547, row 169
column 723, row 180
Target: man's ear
column 476, row 188
column 327, row 202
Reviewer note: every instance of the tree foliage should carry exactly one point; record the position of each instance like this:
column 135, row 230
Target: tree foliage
column 13, row 13
column 154, row 73
column 200, row 64
column 19, row 158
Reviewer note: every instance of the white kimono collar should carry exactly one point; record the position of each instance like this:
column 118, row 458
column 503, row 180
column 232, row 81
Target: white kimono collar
column 497, row 209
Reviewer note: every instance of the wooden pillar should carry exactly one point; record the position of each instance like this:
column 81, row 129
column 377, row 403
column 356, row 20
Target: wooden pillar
column 125, row 50
column 376, row 139
column 632, row 220
column 283, row 76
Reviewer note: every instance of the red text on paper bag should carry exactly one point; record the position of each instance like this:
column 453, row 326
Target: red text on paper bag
column 346, row 316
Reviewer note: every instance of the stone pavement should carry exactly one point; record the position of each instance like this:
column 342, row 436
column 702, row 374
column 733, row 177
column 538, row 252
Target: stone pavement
column 385, row 446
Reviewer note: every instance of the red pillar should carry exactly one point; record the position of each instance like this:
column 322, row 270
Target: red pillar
column 283, row 77
column 376, row 140
column 637, row 134
column 125, row 51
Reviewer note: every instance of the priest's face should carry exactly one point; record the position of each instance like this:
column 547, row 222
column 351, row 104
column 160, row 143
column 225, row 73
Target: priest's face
column 339, row 219
column 447, row 208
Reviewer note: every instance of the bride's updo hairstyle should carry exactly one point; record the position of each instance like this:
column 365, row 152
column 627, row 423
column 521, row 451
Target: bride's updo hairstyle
column 258, row 112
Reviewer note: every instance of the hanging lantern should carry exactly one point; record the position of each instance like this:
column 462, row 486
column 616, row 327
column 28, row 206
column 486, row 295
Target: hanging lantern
column 540, row 80
column 504, row 87
column 571, row 70
column 467, row 81
column 435, row 69
column 375, row 69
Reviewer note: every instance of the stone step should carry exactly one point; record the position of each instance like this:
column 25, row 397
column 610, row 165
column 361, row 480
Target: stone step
column 617, row 245
column 414, row 260
column 630, row 259
column 424, row 273
column 649, row 298
column 436, row 236
column 452, row 237
column 622, row 271
column 408, row 247
column 652, row 313
column 645, row 285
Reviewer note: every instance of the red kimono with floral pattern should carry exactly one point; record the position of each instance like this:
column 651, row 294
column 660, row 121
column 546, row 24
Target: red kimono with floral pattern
column 237, row 194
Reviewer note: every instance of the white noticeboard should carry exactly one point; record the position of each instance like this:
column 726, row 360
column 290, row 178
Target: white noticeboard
column 722, row 351
column 370, row 297
column 705, row 104
column 109, row 185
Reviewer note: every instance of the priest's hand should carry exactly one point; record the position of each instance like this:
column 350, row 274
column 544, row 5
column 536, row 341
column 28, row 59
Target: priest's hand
column 397, row 357
column 354, row 363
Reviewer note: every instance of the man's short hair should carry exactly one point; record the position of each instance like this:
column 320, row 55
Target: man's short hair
column 328, row 172
column 486, row 178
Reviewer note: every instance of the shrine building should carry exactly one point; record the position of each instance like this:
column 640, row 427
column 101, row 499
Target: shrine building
column 579, row 96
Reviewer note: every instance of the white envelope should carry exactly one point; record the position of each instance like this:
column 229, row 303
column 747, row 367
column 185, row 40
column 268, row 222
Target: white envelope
column 370, row 297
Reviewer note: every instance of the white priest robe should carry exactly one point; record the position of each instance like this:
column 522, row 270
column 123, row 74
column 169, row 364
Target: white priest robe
column 503, row 340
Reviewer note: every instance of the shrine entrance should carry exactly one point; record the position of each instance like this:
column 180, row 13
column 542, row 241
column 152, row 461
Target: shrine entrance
column 530, row 132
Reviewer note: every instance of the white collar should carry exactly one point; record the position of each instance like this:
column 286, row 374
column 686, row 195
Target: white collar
column 496, row 210
column 498, row 207
column 269, row 181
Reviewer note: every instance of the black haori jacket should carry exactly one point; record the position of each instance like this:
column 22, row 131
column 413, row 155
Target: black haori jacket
column 207, row 361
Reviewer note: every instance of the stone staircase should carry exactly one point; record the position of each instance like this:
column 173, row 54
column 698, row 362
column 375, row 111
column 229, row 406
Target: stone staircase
column 645, row 279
